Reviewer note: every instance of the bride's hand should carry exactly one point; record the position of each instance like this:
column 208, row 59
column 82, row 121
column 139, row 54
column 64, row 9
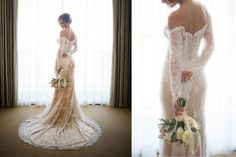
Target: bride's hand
column 178, row 110
column 58, row 71
column 64, row 55
column 186, row 75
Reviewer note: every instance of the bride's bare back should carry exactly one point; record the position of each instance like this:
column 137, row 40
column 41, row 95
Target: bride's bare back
column 187, row 27
column 68, row 34
column 192, row 15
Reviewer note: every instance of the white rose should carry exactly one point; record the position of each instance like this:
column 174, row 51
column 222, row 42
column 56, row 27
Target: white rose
column 64, row 84
column 179, row 133
column 186, row 122
column 178, row 136
column 193, row 123
column 187, row 137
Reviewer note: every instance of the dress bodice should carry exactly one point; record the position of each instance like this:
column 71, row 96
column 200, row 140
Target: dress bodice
column 190, row 44
column 183, row 53
column 65, row 43
column 65, row 47
column 62, row 125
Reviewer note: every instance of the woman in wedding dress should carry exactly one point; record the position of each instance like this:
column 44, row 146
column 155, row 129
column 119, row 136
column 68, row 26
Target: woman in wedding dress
column 183, row 74
column 62, row 125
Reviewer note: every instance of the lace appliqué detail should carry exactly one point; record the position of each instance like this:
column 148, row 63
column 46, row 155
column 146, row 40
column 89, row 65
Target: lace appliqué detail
column 62, row 125
column 183, row 56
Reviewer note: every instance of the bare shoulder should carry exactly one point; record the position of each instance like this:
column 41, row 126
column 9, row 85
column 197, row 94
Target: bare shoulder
column 203, row 8
column 73, row 36
column 63, row 33
column 175, row 19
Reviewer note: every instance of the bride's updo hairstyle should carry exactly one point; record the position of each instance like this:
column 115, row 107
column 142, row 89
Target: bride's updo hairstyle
column 65, row 18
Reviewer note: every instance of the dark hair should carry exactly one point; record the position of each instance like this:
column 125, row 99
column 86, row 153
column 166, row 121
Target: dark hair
column 65, row 17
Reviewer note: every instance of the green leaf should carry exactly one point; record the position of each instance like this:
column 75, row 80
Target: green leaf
column 194, row 129
column 163, row 120
column 180, row 124
column 173, row 137
column 173, row 122
column 182, row 102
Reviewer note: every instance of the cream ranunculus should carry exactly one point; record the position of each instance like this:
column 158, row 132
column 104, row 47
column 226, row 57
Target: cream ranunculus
column 64, row 84
column 179, row 133
column 178, row 136
column 193, row 123
column 186, row 123
column 187, row 136
column 60, row 81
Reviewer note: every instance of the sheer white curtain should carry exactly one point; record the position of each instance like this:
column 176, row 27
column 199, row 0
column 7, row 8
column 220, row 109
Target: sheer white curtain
column 149, row 51
column 38, row 31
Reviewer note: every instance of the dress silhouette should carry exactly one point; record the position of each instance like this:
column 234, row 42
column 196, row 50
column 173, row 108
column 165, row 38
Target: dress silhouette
column 183, row 56
column 62, row 125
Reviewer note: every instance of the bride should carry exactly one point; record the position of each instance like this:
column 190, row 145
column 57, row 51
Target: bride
column 183, row 74
column 62, row 124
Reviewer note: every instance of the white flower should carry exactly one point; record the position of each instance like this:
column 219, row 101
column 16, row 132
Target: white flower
column 64, row 84
column 187, row 137
column 179, row 133
column 178, row 136
column 167, row 136
column 193, row 123
column 59, row 82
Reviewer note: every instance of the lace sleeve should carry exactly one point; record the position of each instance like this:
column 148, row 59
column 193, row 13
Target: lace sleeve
column 74, row 49
column 62, row 49
column 208, row 48
column 175, row 59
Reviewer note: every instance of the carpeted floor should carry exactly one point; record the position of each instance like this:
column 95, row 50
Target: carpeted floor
column 115, row 140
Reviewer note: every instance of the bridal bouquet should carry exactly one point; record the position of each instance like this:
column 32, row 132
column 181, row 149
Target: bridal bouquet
column 60, row 82
column 181, row 129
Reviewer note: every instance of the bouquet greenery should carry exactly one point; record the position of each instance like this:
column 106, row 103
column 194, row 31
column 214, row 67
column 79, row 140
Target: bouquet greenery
column 60, row 82
column 181, row 129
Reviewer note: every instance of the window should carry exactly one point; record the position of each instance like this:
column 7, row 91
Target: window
column 149, row 52
column 38, row 31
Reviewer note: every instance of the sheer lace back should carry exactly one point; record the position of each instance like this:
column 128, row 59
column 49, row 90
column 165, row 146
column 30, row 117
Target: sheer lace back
column 62, row 124
column 183, row 55
column 66, row 47
column 184, row 48
column 191, row 41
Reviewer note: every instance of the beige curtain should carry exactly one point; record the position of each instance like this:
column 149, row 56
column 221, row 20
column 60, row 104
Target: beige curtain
column 121, row 60
column 8, row 53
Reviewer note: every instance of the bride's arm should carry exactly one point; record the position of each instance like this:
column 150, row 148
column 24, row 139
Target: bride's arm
column 61, row 50
column 208, row 48
column 74, row 49
column 62, row 41
column 175, row 59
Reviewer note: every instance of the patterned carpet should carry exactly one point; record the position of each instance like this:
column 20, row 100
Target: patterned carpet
column 114, row 142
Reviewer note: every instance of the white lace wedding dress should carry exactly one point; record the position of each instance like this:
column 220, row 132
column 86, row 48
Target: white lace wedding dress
column 183, row 56
column 62, row 125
